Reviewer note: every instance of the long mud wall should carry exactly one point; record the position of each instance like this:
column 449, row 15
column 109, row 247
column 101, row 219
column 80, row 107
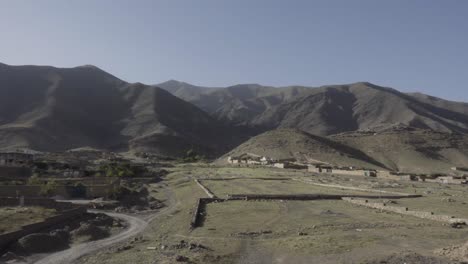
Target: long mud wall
column 349, row 187
column 200, row 207
column 205, row 189
column 250, row 178
column 92, row 191
column 199, row 211
column 43, row 202
column 9, row 238
column 406, row 211
column 305, row 197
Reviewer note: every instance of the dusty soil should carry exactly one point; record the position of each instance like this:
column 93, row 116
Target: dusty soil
column 456, row 252
column 411, row 257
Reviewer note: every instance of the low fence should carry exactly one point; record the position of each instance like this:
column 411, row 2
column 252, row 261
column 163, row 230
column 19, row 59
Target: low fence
column 11, row 237
column 406, row 211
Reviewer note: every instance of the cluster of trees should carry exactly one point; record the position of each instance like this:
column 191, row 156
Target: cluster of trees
column 192, row 156
column 47, row 187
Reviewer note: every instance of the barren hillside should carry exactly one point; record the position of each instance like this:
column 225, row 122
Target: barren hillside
column 325, row 110
column 410, row 150
column 304, row 147
column 55, row 109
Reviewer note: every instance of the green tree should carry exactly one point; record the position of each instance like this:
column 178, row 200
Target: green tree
column 34, row 180
column 48, row 189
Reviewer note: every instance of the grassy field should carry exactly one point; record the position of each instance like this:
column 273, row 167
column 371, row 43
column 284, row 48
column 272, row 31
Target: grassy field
column 12, row 218
column 284, row 232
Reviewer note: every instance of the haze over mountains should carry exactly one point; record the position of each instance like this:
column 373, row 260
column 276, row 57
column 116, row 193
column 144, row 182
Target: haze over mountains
column 56, row 109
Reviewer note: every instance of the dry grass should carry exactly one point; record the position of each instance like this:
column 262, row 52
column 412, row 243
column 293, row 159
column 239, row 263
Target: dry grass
column 12, row 218
column 332, row 231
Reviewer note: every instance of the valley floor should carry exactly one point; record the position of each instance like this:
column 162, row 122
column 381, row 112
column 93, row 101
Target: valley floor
column 319, row 231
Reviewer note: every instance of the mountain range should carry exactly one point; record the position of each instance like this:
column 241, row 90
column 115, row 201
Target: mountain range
column 56, row 109
column 324, row 110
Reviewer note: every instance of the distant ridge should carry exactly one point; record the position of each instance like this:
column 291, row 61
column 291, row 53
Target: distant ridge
column 325, row 110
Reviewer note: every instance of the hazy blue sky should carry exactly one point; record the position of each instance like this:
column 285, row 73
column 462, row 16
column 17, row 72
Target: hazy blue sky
column 409, row 45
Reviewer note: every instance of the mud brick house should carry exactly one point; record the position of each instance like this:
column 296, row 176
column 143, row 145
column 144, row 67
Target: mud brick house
column 15, row 164
column 16, row 159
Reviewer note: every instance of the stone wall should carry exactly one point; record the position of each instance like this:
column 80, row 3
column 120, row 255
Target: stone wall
column 9, row 238
column 14, row 172
column 43, row 202
column 27, row 190
column 92, row 191
column 406, row 211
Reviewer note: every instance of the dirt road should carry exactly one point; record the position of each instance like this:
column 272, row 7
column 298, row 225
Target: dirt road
column 136, row 226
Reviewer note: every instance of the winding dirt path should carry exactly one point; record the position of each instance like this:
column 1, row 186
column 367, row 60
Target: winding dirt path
column 135, row 226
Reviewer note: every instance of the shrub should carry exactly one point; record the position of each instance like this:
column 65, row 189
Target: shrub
column 120, row 170
column 192, row 156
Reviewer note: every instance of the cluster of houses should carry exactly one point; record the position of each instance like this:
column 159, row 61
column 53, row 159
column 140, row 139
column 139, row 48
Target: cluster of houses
column 71, row 174
column 16, row 159
column 253, row 159
column 16, row 164
column 353, row 171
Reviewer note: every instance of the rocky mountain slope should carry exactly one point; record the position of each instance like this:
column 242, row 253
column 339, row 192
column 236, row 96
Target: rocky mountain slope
column 410, row 149
column 325, row 110
column 55, row 109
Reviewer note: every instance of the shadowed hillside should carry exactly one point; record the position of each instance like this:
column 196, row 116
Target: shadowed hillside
column 54, row 109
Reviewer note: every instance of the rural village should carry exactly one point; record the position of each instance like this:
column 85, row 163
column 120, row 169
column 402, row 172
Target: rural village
column 459, row 175
column 233, row 132
column 86, row 195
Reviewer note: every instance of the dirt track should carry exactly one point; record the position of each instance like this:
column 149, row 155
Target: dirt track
column 136, row 226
